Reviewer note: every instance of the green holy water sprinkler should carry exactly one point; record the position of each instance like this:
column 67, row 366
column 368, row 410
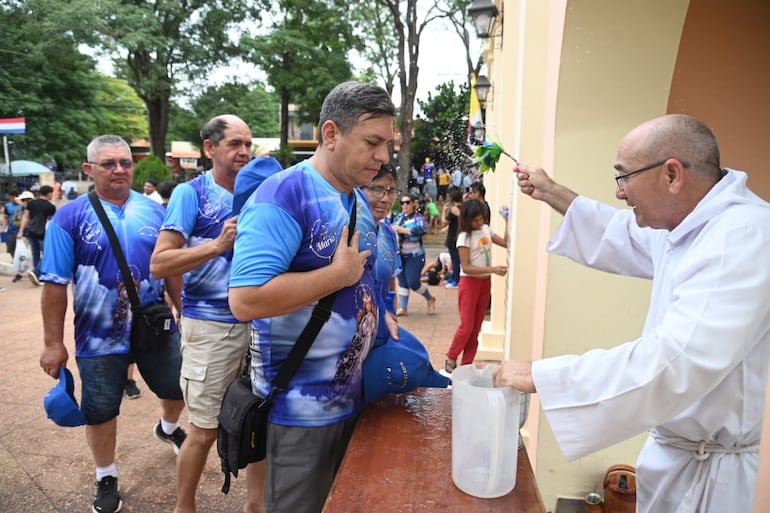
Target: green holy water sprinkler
column 488, row 154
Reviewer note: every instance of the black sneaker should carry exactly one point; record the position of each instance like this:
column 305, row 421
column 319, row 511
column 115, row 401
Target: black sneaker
column 132, row 391
column 107, row 498
column 175, row 439
column 16, row 278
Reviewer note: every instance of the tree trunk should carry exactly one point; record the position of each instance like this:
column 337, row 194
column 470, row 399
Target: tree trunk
column 408, row 72
column 284, row 118
column 155, row 91
column 157, row 114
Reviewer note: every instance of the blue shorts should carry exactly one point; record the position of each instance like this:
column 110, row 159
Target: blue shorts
column 104, row 378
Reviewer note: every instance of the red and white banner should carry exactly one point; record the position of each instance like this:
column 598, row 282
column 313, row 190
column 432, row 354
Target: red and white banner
column 13, row 125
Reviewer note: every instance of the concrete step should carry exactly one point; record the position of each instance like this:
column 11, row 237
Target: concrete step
column 434, row 240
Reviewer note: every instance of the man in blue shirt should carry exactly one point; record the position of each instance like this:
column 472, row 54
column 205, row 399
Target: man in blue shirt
column 292, row 250
column 196, row 241
column 78, row 250
column 14, row 211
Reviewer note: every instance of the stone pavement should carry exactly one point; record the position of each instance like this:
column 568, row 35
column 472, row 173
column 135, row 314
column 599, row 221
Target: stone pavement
column 48, row 469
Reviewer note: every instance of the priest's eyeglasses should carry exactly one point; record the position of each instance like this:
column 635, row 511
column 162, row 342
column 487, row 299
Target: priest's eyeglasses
column 620, row 178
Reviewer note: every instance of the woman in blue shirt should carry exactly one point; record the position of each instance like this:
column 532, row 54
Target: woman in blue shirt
column 410, row 226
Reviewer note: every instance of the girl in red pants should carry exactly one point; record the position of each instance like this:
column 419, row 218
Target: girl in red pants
column 474, row 243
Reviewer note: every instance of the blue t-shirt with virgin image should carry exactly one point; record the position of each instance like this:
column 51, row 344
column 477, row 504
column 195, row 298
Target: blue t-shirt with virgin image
column 77, row 250
column 293, row 223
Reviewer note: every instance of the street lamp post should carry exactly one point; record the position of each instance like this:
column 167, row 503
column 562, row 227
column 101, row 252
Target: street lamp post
column 483, row 85
column 484, row 14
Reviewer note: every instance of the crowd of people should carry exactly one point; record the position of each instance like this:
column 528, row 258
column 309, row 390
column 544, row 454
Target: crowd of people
column 244, row 284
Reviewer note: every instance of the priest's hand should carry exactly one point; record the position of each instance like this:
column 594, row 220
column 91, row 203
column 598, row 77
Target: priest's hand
column 516, row 374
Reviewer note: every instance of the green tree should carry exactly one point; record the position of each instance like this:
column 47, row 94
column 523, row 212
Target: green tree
column 123, row 111
column 45, row 79
column 407, row 21
column 441, row 131
column 156, row 43
column 151, row 167
column 456, row 12
column 251, row 102
column 376, row 30
column 304, row 54
column 183, row 125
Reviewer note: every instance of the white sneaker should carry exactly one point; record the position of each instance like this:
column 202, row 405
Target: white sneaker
column 33, row 278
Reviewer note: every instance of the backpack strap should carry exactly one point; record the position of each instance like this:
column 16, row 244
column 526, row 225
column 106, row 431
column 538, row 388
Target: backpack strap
column 321, row 313
column 128, row 280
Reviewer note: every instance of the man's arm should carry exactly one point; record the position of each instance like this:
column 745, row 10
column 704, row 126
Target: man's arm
column 290, row 291
column 174, row 286
column 54, row 307
column 471, row 270
column 172, row 258
column 24, row 223
column 536, row 183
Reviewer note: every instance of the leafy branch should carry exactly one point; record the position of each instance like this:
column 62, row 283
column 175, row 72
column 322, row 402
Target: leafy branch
column 488, row 155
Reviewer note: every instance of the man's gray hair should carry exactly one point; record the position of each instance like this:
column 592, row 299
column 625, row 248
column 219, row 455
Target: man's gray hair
column 214, row 128
column 104, row 140
column 351, row 102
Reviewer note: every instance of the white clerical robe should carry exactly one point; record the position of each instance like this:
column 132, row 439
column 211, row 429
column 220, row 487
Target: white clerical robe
column 696, row 377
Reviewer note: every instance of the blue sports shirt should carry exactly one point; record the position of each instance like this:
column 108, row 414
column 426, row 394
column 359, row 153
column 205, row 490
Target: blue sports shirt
column 197, row 210
column 77, row 249
column 293, row 223
column 388, row 265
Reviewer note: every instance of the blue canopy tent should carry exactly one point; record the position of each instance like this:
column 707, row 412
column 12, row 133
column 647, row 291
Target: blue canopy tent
column 26, row 174
column 24, row 168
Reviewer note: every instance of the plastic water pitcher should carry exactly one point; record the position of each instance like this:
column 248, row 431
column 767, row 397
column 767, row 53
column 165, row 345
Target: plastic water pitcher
column 485, row 433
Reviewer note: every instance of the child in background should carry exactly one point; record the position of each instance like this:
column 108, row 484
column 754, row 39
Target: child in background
column 474, row 243
column 438, row 269
column 433, row 216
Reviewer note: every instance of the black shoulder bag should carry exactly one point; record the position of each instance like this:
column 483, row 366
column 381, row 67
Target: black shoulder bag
column 243, row 417
column 151, row 325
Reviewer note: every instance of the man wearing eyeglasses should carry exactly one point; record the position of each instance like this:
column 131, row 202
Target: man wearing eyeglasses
column 696, row 376
column 196, row 240
column 78, row 250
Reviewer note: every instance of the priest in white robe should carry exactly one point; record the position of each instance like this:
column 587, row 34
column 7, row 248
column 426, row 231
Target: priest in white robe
column 696, row 376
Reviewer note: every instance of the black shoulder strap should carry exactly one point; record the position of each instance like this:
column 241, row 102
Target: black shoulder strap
column 321, row 313
column 128, row 280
